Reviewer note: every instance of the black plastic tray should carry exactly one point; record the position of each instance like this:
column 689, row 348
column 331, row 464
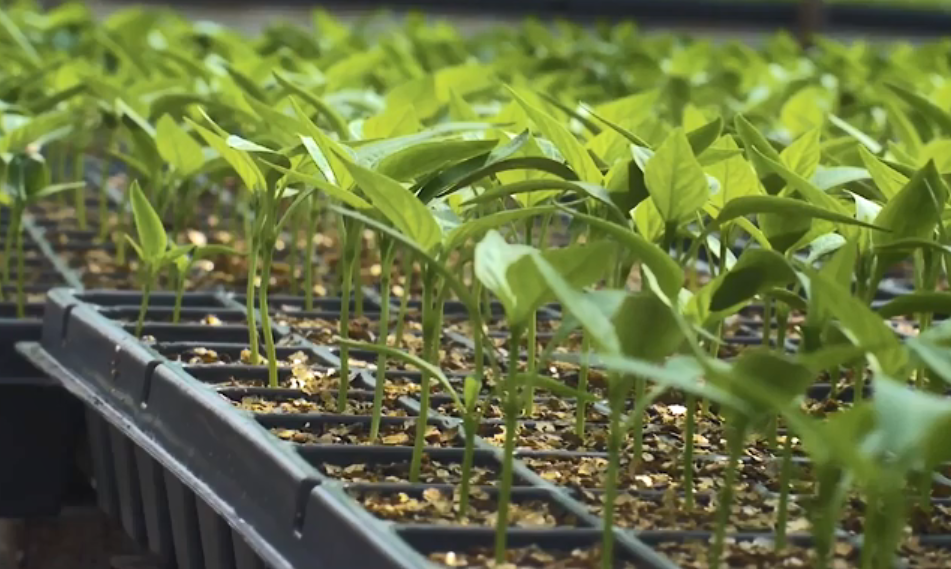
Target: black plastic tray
column 161, row 428
column 40, row 423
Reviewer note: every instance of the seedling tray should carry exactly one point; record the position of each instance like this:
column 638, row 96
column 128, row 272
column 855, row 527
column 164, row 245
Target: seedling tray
column 176, row 458
column 40, row 423
column 178, row 439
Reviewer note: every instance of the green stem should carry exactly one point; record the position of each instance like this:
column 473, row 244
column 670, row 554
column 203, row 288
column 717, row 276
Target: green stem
column 640, row 393
column 782, row 511
column 268, row 256
column 104, row 190
column 120, row 225
column 249, row 303
column 469, row 425
column 388, row 252
column 294, row 251
column 725, row 505
column 582, row 410
column 532, row 328
column 179, row 296
column 144, row 306
column 508, row 452
column 610, row 489
column 406, row 269
column 8, row 244
column 429, row 283
column 344, row 331
column 21, row 268
column 688, row 451
column 358, row 273
column 80, row 192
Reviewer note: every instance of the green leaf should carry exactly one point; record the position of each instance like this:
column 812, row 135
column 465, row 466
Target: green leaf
column 242, row 163
column 14, row 32
column 470, row 392
column 582, row 189
column 910, row 425
column 177, row 147
column 582, row 308
column 887, row 180
column 570, row 147
column 805, row 110
column 669, row 275
column 458, row 236
column 417, row 161
column 935, row 114
column 809, row 192
column 828, row 178
column 749, row 205
column 736, row 176
column 148, row 225
column 918, row 302
column 914, row 212
column 397, row 204
column 510, row 272
column 332, row 191
column 784, row 376
column 755, row 272
column 675, row 179
column 867, row 141
column 336, row 122
column 802, row 156
column 863, row 326
column 701, row 138
column 54, row 189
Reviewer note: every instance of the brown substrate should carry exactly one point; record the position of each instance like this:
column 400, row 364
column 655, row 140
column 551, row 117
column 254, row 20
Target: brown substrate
column 751, row 512
column 549, row 409
column 321, row 402
column 440, row 507
column 527, row 557
column 432, row 472
column 402, row 434
column 756, row 554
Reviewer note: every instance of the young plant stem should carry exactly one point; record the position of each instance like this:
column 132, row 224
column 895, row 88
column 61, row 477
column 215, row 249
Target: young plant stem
column 386, row 277
column 640, row 392
column 406, row 269
column 508, row 452
column 104, row 189
column 469, row 424
column 358, row 273
column 80, row 192
column 782, row 510
column 119, row 231
column 429, row 284
column 313, row 218
column 532, row 326
column 249, row 302
column 267, row 258
column 144, row 306
column 615, row 435
column 582, row 410
column 179, row 295
column 725, row 505
column 689, row 431
column 21, row 268
column 346, row 264
column 294, row 251
column 12, row 230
